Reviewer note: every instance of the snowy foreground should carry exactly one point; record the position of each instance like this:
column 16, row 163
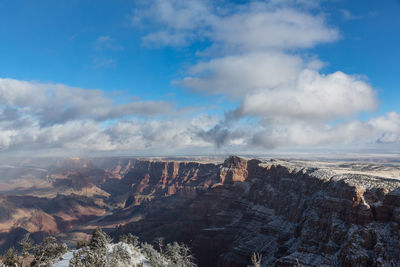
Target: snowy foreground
column 135, row 258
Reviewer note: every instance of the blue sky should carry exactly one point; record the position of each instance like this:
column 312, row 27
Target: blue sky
column 369, row 46
column 194, row 71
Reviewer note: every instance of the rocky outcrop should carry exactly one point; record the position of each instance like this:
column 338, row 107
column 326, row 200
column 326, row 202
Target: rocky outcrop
column 162, row 179
column 234, row 169
column 43, row 215
column 290, row 214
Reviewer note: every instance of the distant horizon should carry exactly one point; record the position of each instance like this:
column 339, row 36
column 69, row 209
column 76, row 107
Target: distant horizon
column 380, row 158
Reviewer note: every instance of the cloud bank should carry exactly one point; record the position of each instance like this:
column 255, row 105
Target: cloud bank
column 42, row 117
column 256, row 55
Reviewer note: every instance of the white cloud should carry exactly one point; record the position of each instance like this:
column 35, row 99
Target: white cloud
column 260, row 27
column 39, row 118
column 388, row 127
column 312, row 97
column 256, row 25
column 182, row 21
column 382, row 129
column 87, row 137
column 57, row 103
column 257, row 56
column 62, row 120
column 240, row 74
column 301, row 134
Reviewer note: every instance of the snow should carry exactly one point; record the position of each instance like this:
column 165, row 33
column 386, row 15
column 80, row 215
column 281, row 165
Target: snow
column 64, row 262
column 136, row 256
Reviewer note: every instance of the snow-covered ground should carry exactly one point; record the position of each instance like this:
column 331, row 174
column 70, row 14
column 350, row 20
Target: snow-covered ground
column 135, row 256
column 64, row 262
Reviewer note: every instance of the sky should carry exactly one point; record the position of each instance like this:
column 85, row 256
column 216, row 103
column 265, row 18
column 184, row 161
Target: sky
column 199, row 77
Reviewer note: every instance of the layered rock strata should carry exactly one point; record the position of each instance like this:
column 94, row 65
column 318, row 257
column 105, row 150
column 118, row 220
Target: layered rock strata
column 289, row 213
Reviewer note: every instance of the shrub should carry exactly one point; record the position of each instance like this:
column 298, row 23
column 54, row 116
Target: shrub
column 81, row 244
column 43, row 253
column 95, row 254
column 10, row 258
column 179, row 255
column 120, row 255
column 171, row 255
column 87, row 257
column 155, row 258
column 130, row 239
column 26, row 244
column 48, row 250
column 100, row 240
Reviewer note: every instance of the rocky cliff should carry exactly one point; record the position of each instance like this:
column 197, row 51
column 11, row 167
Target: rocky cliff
column 288, row 212
column 291, row 212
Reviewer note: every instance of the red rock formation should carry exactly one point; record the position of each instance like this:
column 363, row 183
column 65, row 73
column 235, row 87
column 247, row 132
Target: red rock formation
column 286, row 213
column 289, row 213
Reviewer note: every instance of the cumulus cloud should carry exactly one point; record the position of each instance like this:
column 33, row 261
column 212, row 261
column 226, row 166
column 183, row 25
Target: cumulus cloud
column 259, row 27
column 255, row 25
column 311, row 97
column 26, row 129
column 257, row 56
column 382, row 129
column 42, row 118
column 181, row 21
column 388, row 127
column 86, row 137
column 353, row 133
column 57, row 103
column 237, row 75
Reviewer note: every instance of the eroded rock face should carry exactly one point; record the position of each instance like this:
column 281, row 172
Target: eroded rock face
column 147, row 177
column 289, row 214
column 234, row 169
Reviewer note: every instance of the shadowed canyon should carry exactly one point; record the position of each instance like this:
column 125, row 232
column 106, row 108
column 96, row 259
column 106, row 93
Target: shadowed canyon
column 315, row 213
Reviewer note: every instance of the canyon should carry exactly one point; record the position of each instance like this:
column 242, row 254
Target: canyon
column 311, row 213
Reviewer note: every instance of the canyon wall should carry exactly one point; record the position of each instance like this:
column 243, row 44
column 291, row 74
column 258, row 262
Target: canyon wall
column 290, row 212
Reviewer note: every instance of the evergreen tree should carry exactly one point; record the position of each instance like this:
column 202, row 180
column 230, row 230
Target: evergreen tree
column 100, row 240
column 48, row 250
column 120, row 255
column 10, row 258
column 95, row 254
column 179, row 255
column 155, row 258
column 87, row 257
column 130, row 239
column 26, row 244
